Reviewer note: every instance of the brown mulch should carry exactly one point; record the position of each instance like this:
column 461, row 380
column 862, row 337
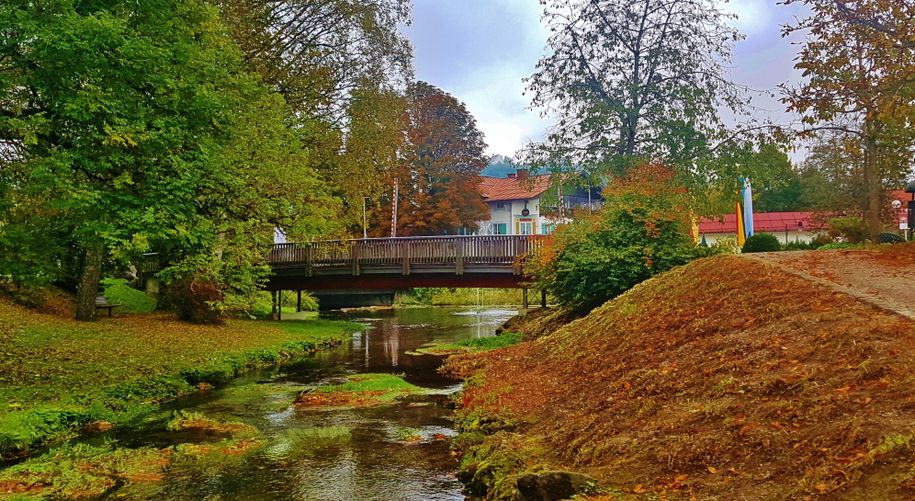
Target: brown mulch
column 726, row 379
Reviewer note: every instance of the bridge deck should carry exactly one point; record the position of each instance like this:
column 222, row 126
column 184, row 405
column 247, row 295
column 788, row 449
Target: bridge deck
column 400, row 263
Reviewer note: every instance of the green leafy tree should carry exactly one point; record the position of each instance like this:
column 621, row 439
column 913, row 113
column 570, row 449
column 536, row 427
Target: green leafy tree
column 137, row 125
column 632, row 81
column 641, row 231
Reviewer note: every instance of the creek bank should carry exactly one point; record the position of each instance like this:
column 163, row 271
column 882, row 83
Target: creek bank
column 61, row 378
column 724, row 378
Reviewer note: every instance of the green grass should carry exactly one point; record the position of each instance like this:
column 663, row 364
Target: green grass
column 131, row 300
column 56, row 374
column 492, row 342
column 469, row 345
column 464, row 297
column 382, row 387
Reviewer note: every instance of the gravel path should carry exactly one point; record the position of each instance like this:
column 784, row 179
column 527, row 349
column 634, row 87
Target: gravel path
column 884, row 277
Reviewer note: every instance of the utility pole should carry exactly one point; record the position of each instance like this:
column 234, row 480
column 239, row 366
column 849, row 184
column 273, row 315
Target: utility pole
column 394, row 212
column 365, row 233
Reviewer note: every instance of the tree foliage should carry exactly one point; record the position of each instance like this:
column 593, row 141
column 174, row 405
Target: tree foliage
column 439, row 174
column 632, row 80
column 642, row 230
column 859, row 66
column 137, row 128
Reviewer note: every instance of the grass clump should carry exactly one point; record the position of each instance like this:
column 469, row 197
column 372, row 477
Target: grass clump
column 468, row 345
column 117, row 291
column 359, row 390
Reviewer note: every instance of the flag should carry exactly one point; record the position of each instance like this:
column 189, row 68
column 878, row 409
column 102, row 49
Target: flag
column 747, row 208
column 741, row 234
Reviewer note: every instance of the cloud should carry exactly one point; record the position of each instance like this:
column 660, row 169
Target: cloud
column 479, row 51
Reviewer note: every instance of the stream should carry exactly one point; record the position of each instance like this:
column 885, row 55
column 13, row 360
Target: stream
column 331, row 454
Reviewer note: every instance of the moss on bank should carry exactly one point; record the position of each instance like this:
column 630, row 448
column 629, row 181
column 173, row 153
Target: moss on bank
column 359, row 390
column 57, row 375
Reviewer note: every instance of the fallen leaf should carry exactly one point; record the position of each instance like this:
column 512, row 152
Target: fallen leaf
column 712, row 469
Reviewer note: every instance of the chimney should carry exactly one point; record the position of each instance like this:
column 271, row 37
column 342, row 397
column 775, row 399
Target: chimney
column 522, row 175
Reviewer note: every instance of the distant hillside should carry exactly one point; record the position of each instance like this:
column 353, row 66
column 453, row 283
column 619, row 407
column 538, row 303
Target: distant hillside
column 499, row 166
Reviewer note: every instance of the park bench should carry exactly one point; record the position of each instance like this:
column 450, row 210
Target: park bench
column 102, row 304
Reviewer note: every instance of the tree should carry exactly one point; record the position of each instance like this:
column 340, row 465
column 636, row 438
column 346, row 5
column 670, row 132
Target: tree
column 136, row 124
column 439, row 176
column 641, row 231
column 632, row 81
column 316, row 53
column 860, row 82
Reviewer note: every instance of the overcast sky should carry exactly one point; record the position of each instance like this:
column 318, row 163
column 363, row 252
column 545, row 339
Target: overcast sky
column 479, row 50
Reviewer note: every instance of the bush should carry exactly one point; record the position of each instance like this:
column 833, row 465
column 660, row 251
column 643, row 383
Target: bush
column 793, row 246
column 116, row 291
column 762, row 242
column 642, row 230
column 890, row 238
column 195, row 300
column 725, row 245
column 849, row 229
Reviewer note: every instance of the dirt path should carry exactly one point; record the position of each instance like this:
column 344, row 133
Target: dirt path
column 884, row 277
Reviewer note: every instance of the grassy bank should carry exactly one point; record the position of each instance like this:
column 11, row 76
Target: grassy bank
column 726, row 378
column 57, row 375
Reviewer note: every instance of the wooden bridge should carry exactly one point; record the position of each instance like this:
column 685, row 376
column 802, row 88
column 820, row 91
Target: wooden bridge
column 390, row 264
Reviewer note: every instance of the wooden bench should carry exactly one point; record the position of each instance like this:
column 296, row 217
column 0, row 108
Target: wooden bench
column 102, row 304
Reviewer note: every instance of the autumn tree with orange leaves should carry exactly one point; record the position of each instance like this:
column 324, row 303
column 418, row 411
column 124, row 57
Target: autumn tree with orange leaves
column 439, row 176
column 859, row 64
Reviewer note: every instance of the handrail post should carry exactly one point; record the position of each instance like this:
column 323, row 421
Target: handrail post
column 459, row 256
column 354, row 256
column 308, row 260
column 406, row 257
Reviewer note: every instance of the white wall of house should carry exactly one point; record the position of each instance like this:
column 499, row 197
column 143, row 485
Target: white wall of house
column 509, row 213
column 793, row 236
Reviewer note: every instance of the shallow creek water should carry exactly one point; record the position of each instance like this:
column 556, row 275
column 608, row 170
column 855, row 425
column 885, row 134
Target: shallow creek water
column 340, row 454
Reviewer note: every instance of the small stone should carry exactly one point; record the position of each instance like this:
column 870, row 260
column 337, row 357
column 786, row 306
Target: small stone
column 553, row 485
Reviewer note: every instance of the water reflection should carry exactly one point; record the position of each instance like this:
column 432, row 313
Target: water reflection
column 361, row 453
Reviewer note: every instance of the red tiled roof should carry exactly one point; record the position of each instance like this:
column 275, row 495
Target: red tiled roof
column 497, row 189
column 764, row 221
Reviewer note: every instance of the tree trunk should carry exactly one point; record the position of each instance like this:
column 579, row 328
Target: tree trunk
column 88, row 283
column 872, row 186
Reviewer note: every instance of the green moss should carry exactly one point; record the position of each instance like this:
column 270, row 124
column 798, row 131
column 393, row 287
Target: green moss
column 379, row 387
column 493, row 342
column 131, row 300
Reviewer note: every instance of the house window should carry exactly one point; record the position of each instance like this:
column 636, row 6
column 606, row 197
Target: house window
column 526, row 227
column 547, row 228
column 501, row 229
column 500, row 205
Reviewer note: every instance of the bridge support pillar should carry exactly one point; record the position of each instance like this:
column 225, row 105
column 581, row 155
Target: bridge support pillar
column 543, row 298
column 298, row 301
column 524, row 303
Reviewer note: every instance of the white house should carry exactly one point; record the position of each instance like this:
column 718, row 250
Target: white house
column 514, row 205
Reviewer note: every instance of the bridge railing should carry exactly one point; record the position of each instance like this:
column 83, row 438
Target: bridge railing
column 407, row 252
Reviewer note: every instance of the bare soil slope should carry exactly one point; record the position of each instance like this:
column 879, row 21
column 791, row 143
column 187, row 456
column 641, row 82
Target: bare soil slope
column 726, row 378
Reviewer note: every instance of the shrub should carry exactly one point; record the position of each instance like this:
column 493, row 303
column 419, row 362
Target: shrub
column 195, row 300
column 642, row 230
column 890, row 238
column 849, row 229
column 725, row 245
column 116, row 291
column 762, row 242
column 792, row 246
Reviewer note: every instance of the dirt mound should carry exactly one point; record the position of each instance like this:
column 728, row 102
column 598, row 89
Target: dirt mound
column 725, row 378
column 540, row 322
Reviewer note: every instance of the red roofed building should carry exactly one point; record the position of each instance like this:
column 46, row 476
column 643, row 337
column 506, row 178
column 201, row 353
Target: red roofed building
column 514, row 204
column 787, row 226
